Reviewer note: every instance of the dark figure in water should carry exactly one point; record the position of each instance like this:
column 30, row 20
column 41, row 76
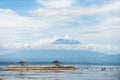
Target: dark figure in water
column 56, row 62
column 103, row 69
column 27, row 69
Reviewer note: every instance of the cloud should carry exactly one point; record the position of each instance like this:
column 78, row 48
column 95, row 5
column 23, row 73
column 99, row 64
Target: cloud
column 9, row 18
column 75, row 20
column 110, row 23
column 103, row 17
column 89, row 32
column 46, row 44
column 99, row 24
column 102, row 9
column 108, row 37
column 56, row 3
column 15, row 27
column 33, row 44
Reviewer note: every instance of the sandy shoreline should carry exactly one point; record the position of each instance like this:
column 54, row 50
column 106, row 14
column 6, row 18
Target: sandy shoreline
column 39, row 68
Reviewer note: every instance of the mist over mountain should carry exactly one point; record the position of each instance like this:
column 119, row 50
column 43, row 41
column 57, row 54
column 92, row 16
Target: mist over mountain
column 66, row 41
column 65, row 50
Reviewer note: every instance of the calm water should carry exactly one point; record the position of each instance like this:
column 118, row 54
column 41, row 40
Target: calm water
column 85, row 72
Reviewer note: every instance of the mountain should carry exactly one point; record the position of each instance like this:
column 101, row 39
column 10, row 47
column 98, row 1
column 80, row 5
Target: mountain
column 66, row 41
column 69, row 56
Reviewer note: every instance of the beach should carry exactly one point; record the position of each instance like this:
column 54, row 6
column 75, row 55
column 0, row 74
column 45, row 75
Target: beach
column 84, row 72
column 14, row 68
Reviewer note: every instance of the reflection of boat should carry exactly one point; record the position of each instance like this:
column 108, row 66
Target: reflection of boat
column 39, row 68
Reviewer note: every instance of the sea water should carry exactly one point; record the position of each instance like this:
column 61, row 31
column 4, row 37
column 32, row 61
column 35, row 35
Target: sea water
column 84, row 72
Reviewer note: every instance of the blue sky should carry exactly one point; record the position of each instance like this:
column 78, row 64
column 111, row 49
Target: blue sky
column 96, row 23
column 20, row 7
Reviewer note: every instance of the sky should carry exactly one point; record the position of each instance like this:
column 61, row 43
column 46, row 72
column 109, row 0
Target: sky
column 38, row 23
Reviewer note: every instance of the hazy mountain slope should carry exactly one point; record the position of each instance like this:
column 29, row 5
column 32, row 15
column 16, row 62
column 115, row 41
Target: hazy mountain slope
column 62, row 55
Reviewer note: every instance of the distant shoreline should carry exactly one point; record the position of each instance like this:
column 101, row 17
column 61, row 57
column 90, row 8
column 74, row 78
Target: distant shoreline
column 62, row 63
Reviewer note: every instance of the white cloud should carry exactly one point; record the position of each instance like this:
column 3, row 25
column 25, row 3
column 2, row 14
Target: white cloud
column 59, row 17
column 56, row 3
column 9, row 18
column 7, row 11
column 13, row 26
column 104, row 32
column 34, row 44
column 106, row 8
column 46, row 44
column 68, row 17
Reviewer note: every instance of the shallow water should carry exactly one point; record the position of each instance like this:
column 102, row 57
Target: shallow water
column 84, row 72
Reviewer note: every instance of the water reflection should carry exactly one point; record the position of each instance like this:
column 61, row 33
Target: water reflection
column 21, row 73
column 56, row 74
column 83, row 73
